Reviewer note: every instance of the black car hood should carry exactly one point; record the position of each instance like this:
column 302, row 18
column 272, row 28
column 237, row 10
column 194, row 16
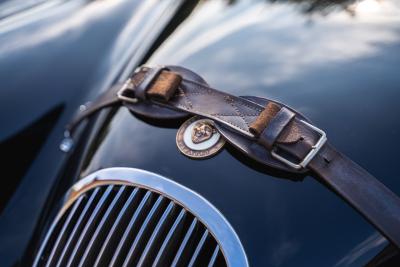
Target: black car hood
column 339, row 68
column 335, row 63
column 55, row 56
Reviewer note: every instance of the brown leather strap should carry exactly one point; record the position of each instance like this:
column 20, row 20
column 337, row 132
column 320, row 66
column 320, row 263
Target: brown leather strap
column 269, row 136
column 143, row 82
column 379, row 205
column 284, row 134
column 109, row 98
column 365, row 193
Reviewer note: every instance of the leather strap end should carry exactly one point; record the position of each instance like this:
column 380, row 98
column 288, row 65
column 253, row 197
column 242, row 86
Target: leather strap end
column 258, row 126
column 164, row 86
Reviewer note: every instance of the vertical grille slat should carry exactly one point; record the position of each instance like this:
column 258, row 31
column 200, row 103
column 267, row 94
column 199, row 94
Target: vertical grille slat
column 185, row 245
column 62, row 235
column 89, row 227
column 105, row 253
column 78, row 226
column 43, row 251
column 165, row 254
column 144, row 229
column 157, row 235
column 127, row 236
column 113, row 224
column 214, row 257
column 101, row 229
column 198, row 249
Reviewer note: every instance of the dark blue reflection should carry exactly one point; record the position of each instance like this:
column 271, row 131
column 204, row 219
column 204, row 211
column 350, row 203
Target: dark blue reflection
column 339, row 68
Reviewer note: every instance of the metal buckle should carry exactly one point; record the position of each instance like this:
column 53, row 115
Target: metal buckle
column 314, row 150
column 127, row 85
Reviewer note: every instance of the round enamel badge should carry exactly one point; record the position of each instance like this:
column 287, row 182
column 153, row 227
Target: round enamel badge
column 198, row 138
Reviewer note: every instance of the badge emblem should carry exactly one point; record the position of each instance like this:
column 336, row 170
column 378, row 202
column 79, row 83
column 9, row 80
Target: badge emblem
column 198, row 138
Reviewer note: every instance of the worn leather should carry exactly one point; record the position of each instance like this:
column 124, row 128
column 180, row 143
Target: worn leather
column 269, row 112
column 106, row 99
column 372, row 199
column 255, row 150
column 288, row 134
column 152, row 110
column 284, row 133
column 146, row 81
column 360, row 189
column 275, row 127
column 143, row 108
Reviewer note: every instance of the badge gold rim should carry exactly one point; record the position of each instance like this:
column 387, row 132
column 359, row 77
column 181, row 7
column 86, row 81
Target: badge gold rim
column 197, row 154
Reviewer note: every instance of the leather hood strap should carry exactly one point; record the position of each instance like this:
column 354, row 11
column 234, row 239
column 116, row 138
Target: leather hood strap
column 278, row 132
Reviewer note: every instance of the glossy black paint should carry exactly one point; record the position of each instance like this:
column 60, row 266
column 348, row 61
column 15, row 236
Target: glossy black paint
column 339, row 69
column 337, row 64
column 55, row 56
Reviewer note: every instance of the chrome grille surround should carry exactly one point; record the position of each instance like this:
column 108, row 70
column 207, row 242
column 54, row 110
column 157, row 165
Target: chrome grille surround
column 104, row 196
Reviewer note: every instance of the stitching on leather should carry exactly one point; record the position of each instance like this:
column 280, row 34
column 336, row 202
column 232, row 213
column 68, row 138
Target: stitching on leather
column 233, row 124
column 198, row 90
column 234, row 100
column 251, row 107
column 246, row 115
column 198, row 93
column 243, row 103
column 185, row 97
column 231, row 101
column 178, row 101
column 182, row 106
column 200, row 87
column 139, row 81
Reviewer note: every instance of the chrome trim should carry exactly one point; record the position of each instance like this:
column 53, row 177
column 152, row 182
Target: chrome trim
column 198, row 248
column 214, row 256
column 177, row 225
column 156, row 232
column 132, row 199
column 185, row 241
column 313, row 152
column 120, row 93
column 203, row 210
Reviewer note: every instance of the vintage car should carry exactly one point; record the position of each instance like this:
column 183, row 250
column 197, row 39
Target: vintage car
column 121, row 192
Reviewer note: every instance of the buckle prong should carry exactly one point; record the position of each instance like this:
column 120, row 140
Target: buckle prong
column 313, row 152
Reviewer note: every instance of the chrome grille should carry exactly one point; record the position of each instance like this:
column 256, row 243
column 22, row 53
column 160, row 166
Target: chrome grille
column 113, row 223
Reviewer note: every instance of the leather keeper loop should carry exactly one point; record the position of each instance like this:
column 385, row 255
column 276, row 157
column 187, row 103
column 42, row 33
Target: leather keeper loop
column 141, row 89
column 258, row 126
column 165, row 86
column 275, row 127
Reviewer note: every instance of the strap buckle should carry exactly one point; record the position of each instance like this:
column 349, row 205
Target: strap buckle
column 141, row 88
column 120, row 94
column 313, row 152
